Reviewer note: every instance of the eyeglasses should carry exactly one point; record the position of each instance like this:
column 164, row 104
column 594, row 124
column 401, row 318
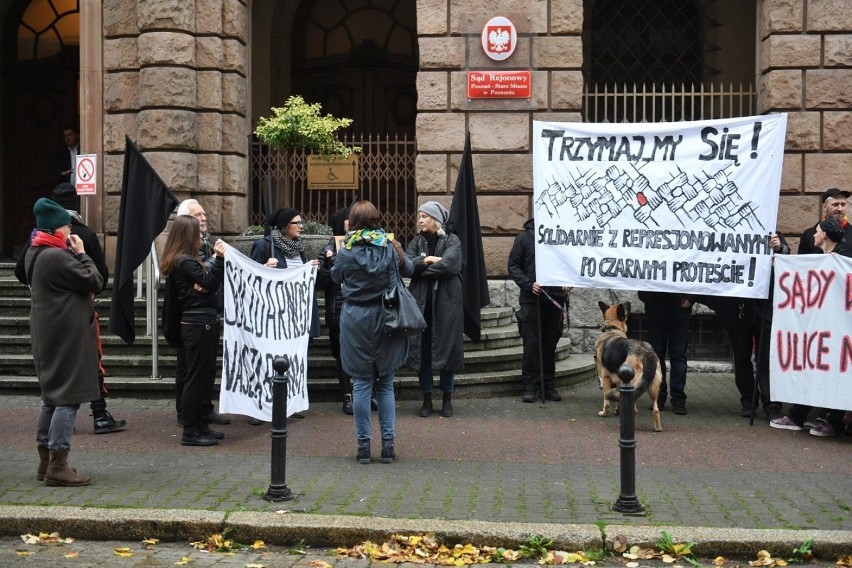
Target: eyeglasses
column 300, row 223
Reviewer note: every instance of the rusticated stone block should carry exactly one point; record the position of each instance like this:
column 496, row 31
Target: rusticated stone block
column 558, row 116
column 209, row 88
column 501, row 214
column 445, row 200
column 803, row 131
column 120, row 54
column 829, row 16
column 167, row 129
column 796, row 213
column 208, row 52
column 235, row 177
column 838, row 50
column 234, row 93
column 209, row 132
column 178, row 170
column 790, row 51
column 441, row 52
column 432, row 90
column 119, row 18
column 234, row 56
column 112, row 208
column 827, row 170
column 235, row 19
column 496, row 253
column 781, row 16
column 504, row 173
column 234, row 214
column 566, row 90
column 167, row 86
column 476, row 58
column 529, row 17
column 507, row 132
column 166, row 48
column 208, row 16
column 791, row 173
column 537, row 100
column 431, row 173
column 235, row 131
column 166, row 15
column 116, row 127
column 781, row 89
column 209, row 173
column 557, row 52
column 440, row 132
column 828, row 88
column 431, row 17
column 837, row 130
column 566, row 16
column 113, row 169
column 121, row 91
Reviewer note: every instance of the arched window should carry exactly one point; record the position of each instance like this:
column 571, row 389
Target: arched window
column 47, row 27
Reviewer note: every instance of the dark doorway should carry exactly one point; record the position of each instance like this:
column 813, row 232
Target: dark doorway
column 41, row 70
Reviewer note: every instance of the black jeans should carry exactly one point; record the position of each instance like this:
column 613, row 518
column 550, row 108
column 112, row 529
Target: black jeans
column 551, row 331
column 200, row 341
column 180, row 378
column 668, row 333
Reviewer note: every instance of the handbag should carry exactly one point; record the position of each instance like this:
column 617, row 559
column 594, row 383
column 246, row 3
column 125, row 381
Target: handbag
column 401, row 314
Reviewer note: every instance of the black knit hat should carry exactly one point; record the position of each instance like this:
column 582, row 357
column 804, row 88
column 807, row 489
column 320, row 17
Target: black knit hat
column 65, row 194
column 832, row 229
column 50, row 215
column 281, row 218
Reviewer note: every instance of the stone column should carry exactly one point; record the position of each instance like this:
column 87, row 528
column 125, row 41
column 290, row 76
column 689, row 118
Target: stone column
column 550, row 46
column 175, row 83
column 806, row 71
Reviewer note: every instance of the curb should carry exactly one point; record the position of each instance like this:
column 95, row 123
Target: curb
column 282, row 528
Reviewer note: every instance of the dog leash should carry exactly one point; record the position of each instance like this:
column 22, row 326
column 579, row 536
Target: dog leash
column 554, row 302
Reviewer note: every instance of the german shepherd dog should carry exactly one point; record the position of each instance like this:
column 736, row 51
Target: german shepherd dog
column 613, row 349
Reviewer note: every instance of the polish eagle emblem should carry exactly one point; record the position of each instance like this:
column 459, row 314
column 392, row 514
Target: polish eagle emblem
column 499, row 40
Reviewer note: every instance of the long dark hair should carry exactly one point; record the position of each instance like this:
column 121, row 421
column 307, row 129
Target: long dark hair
column 184, row 238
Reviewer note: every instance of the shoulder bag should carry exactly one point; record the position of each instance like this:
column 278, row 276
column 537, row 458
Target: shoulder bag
column 402, row 315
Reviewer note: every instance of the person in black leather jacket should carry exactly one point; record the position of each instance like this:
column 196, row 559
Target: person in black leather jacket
column 196, row 285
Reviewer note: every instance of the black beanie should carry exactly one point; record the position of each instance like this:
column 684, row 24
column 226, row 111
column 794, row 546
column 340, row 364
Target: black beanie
column 65, row 194
column 832, row 229
column 281, row 218
column 50, row 215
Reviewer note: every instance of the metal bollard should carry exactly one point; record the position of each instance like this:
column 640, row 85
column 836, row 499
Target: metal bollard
column 627, row 502
column 278, row 490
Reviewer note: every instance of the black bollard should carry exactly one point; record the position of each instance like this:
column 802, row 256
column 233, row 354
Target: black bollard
column 278, row 490
column 627, row 502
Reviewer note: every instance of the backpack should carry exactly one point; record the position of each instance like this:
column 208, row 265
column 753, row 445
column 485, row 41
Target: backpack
column 172, row 313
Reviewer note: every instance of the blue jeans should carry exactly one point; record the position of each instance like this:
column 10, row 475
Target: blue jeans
column 55, row 426
column 448, row 378
column 668, row 333
column 362, row 389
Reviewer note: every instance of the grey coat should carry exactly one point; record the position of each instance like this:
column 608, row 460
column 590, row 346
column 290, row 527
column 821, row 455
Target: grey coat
column 364, row 273
column 447, row 321
column 62, row 325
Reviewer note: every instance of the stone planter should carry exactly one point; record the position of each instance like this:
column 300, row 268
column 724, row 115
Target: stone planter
column 244, row 244
column 313, row 244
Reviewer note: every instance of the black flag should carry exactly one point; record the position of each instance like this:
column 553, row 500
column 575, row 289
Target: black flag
column 464, row 221
column 146, row 204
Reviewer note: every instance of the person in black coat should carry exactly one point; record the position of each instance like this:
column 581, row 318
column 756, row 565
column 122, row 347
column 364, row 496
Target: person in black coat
column 65, row 194
column 833, row 206
column 63, row 162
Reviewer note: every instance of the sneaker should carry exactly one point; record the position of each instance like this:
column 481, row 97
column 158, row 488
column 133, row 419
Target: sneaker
column 552, row 394
column 196, row 438
column 216, row 418
column 824, row 430
column 347, row 406
column 679, row 406
column 207, row 432
column 773, row 413
column 809, row 424
column 528, row 396
column 784, row 423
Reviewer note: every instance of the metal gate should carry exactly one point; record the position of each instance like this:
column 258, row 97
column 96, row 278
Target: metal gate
column 386, row 178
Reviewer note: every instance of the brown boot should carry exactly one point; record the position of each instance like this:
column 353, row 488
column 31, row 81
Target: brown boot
column 59, row 474
column 43, row 460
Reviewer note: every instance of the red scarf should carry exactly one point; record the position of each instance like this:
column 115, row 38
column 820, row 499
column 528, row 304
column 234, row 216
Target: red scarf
column 44, row 239
column 843, row 222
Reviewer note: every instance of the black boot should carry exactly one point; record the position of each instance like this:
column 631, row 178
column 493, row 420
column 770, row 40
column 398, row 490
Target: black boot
column 105, row 423
column 388, row 452
column 426, row 409
column 347, row 405
column 363, row 455
column 194, row 437
column 447, row 405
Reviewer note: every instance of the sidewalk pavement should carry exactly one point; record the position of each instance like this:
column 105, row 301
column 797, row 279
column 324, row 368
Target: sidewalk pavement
column 496, row 472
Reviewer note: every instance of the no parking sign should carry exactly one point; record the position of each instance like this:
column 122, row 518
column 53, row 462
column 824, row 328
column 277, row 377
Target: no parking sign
column 87, row 174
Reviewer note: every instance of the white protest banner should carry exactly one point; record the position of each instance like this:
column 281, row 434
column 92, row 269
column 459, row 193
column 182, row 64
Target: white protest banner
column 810, row 361
column 672, row 207
column 267, row 314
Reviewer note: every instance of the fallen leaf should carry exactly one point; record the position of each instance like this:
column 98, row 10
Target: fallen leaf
column 255, row 565
column 619, row 543
column 72, row 554
column 184, row 561
column 151, row 541
column 319, row 564
column 632, row 564
column 668, row 559
column 23, row 552
column 763, row 554
column 845, row 560
column 124, row 551
column 258, row 544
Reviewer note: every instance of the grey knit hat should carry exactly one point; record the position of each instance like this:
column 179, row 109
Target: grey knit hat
column 435, row 210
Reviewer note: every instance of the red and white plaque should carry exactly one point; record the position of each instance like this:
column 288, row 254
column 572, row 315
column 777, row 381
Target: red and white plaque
column 499, row 38
column 87, row 174
column 499, row 84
